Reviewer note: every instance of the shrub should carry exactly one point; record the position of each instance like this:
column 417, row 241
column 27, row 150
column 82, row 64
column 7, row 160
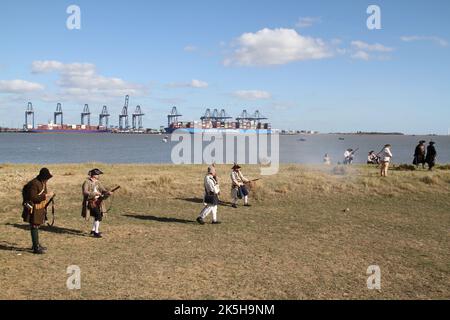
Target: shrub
column 429, row 180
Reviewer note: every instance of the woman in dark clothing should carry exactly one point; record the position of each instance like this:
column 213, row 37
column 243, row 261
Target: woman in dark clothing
column 419, row 154
column 431, row 156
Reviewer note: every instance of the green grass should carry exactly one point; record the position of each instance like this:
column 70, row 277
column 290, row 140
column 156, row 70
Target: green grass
column 297, row 241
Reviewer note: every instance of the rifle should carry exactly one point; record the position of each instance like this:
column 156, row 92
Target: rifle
column 251, row 184
column 52, row 202
column 95, row 203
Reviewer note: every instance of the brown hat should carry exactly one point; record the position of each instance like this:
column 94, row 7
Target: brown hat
column 44, row 174
column 95, row 172
column 236, row 166
column 212, row 169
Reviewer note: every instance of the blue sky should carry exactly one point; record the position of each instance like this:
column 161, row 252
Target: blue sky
column 305, row 64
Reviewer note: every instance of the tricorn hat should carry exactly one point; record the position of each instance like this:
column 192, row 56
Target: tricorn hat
column 95, row 172
column 432, row 142
column 44, row 174
column 387, row 145
column 236, row 166
column 211, row 169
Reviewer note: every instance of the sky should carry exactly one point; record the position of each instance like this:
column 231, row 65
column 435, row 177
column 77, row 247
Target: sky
column 306, row 65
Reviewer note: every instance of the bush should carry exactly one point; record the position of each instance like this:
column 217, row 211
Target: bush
column 429, row 180
column 404, row 167
column 340, row 170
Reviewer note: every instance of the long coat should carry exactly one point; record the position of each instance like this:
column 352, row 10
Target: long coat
column 419, row 154
column 431, row 155
column 34, row 193
column 88, row 189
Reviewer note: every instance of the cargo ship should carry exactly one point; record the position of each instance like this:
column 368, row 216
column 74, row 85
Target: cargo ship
column 67, row 128
column 219, row 122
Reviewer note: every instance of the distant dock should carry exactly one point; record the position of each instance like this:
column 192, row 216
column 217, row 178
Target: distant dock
column 11, row 130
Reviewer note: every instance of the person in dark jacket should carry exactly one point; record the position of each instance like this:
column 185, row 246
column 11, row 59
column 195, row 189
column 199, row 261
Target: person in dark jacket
column 431, row 156
column 419, row 154
column 35, row 199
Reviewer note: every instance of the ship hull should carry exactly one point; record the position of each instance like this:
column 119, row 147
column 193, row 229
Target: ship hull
column 66, row 131
column 219, row 131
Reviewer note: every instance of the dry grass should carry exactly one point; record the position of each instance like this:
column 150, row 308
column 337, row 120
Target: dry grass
column 295, row 242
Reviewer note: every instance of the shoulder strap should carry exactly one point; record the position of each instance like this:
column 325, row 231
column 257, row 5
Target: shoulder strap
column 43, row 189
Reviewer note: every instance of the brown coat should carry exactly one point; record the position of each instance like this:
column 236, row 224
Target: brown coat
column 89, row 194
column 34, row 192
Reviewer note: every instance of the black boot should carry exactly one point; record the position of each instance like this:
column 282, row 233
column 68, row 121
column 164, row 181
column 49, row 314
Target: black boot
column 35, row 239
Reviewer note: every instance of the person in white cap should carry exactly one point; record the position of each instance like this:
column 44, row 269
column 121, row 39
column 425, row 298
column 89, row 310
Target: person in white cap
column 92, row 190
column 385, row 159
column 238, row 188
column 211, row 198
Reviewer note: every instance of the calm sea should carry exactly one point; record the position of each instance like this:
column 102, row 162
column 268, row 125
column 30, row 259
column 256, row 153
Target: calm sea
column 118, row 148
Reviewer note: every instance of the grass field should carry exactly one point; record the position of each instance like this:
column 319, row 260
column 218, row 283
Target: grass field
column 297, row 241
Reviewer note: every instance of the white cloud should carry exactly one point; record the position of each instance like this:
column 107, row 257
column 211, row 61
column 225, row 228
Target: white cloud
column 363, row 51
column 190, row 48
column 371, row 47
column 193, row 84
column 19, row 86
column 439, row 41
column 198, row 84
column 306, row 22
column 81, row 82
column 276, row 47
column 252, row 94
column 361, row 55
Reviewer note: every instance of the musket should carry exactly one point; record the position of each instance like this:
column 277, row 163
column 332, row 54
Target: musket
column 52, row 202
column 250, row 182
column 94, row 203
column 354, row 151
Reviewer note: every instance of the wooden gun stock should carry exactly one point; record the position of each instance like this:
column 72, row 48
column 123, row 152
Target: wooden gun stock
column 95, row 203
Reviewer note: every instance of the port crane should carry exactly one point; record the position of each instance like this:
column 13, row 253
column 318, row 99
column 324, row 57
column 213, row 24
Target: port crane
column 123, row 117
column 223, row 115
column 243, row 117
column 86, row 114
column 173, row 116
column 103, row 118
column 58, row 114
column 215, row 115
column 29, row 113
column 137, row 118
column 257, row 117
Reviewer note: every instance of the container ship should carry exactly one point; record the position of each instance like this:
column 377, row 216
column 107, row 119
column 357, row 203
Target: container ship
column 67, row 128
column 218, row 122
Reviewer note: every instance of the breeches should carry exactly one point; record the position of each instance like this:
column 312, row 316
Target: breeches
column 97, row 214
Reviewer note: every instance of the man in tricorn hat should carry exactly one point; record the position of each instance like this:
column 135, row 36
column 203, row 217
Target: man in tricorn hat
column 35, row 199
column 211, row 199
column 92, row 190
column 431, row 155
column 238, row 188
